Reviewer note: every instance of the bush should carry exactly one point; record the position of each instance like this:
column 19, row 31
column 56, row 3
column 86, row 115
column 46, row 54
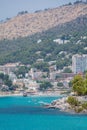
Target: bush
column 60, row 84
column 73, row 101
column 67, row 70
column 79, row 109
column 78, row 85
column 84, row 105
column 45, row 85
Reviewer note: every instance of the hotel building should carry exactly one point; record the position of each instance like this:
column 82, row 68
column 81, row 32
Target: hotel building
column 79, row 63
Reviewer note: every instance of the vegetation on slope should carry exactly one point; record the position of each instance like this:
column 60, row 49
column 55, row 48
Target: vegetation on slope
column 6, row 83
column 79, row 86
column 26, row 49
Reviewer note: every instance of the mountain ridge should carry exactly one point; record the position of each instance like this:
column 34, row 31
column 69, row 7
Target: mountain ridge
column 29, row 24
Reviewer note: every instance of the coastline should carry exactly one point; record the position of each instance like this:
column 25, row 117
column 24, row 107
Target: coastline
column 60, row 104
column 63, row 106
column 9, row 94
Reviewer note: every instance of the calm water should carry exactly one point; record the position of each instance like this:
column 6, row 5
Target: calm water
column 28, row 113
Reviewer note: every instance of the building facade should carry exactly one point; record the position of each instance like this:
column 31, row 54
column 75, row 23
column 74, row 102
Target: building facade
column 79, row 63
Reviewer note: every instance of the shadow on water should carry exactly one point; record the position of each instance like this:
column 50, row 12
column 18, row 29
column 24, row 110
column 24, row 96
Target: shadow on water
column 35, row 110
column 29, row 110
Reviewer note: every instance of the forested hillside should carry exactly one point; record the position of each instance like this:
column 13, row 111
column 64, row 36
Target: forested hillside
column 42, row 46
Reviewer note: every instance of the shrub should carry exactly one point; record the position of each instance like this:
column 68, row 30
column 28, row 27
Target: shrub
column 84, row 105
column 60, row 84
column 45, row 85
column 72, row 101
column 79, row 109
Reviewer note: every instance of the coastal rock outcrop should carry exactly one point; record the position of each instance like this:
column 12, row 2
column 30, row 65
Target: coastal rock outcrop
column 63, row 105
column 60, row 104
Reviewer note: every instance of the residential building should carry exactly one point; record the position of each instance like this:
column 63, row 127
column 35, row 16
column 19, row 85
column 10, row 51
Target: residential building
column 60, row 41
column 52, row 68
column 9, row 67
column 79, row 63
column 40, row 60
column 36, row 74
column 53, row 75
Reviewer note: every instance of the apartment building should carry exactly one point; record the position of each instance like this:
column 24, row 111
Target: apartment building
column 79, row 63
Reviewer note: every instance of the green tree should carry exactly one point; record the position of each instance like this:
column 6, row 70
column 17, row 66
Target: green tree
column 67, row 70
column 6, row 79
column 42, row 66
column 70, row 84
column 72, row 101
column 60, row 84
column 8, row 82
column 78, row 85
column 21, row 71
column 84, row 105
column 1, row 76
column 85, row 80
column 45, row 85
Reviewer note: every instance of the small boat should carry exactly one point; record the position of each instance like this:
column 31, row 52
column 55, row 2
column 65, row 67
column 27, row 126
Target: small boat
column 25, row 94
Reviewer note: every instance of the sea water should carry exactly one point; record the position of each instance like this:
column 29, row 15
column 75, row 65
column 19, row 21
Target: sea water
column 28, row 113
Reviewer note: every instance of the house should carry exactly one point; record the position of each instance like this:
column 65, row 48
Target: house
column 1, row 82
column 9, row 67
column 39, row 60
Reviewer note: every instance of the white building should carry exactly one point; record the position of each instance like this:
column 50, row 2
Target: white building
column 60, row 41
column 32, row 73
column 79, row 63
column 35, row 74
column 9, row 67
column 52, row 75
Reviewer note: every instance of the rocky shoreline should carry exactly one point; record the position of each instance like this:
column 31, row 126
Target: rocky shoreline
column 59, row 104
column 64, row 106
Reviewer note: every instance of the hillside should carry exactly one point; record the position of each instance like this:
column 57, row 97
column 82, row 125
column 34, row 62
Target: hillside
column 41, row 45
column 28, row 50
column 30, row 24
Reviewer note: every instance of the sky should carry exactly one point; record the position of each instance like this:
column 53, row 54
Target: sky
column 10, row 8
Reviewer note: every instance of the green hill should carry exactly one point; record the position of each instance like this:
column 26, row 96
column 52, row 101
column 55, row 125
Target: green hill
column 41, row 45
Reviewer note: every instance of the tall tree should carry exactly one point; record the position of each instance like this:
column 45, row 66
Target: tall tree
column 78, row 85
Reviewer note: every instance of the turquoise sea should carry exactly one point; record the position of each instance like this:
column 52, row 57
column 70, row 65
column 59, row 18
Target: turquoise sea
column 28, row 113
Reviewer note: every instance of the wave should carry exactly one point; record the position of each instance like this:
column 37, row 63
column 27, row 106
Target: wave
column 43, row 103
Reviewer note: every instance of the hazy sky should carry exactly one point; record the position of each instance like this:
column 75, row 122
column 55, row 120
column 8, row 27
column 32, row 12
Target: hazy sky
column 10, row 8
